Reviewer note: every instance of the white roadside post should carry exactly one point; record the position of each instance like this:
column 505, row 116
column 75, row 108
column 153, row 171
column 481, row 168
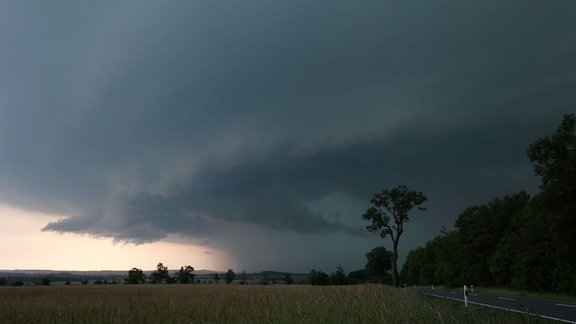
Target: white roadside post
column 465, row 296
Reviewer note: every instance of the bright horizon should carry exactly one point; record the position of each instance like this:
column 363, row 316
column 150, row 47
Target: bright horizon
column 44, row 250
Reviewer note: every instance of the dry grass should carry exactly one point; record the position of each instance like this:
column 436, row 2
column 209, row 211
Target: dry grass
column 237, row 304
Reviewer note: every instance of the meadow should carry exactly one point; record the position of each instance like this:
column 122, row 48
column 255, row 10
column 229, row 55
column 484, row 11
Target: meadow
column 218, row 303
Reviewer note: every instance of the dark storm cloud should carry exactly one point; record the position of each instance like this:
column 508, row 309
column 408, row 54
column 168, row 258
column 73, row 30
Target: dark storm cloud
column 140, row 119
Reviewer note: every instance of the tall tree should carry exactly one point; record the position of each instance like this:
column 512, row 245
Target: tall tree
column 160, row 275
column 229, row 276
column 554, row 159
column 185, row 274
column 288, row 279
column 319, row 278
column 388, row 214
column 135, row 276
column 554, row 209
column 482, row 230
column 339, row 277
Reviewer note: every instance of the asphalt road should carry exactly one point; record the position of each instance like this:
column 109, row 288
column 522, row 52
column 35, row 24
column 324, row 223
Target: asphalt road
column 553, row 309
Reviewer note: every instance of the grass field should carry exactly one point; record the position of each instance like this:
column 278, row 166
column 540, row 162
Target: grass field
column 237, row 304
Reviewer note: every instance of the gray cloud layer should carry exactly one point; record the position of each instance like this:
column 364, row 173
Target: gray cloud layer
column 140, row 119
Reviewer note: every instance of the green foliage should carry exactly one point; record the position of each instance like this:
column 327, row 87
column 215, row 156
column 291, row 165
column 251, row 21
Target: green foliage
column 3, row 281
column 135, row 276
column 482, row 229
column 185, row 275
column 45, row 282
column 515, row 241
column 357, row 277
column 216, row 278
column 288, row 279
column 378, row 265
column 160, row 275
column 420, row 267
column 339, row 277
column 388, row 214
column 554, row 159
column 229, row 276
column 319, row 278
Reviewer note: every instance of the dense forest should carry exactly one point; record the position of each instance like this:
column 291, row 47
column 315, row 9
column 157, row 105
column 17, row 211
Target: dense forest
column 517, row 241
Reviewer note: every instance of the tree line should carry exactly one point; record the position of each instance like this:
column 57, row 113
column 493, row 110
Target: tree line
column 186, row 276
column 377, row 270
column 516, row 241
column 161, row 275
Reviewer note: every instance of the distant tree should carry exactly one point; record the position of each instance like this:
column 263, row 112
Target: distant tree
column 185, row 274
column 378, row 264
column 85, row 282
column 319, row 278
column 45, row 282
column 67, row 283
column 229, row 276
column 288, row 279
column 357, row 277
column 18, row 283
column 243, row 277
column 394, row 204
column 216, row 278
column 3, row 281
column 135, row 276
column 339, row 277
column 160, row 275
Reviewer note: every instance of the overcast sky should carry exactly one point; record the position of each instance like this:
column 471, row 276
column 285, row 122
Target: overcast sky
column 256, row 132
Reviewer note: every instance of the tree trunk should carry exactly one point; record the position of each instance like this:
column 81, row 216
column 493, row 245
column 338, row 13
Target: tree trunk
column 394, row 265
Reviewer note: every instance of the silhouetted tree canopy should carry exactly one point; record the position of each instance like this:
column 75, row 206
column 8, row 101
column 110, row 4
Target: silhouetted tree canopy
column 185, row 274
column 229, row 276
column 160, row 275
column 378, row 264
column 515, row 241
column 388, row 214
column 135, row 276
column 319, row 278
